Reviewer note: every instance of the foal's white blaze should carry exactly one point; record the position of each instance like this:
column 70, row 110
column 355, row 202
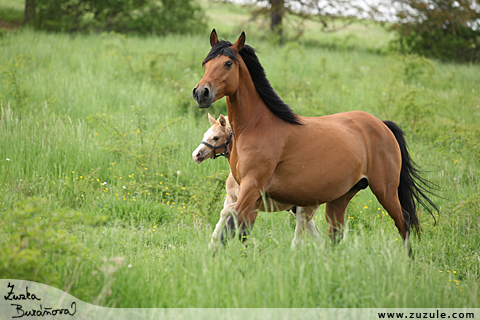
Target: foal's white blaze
column 202, row 150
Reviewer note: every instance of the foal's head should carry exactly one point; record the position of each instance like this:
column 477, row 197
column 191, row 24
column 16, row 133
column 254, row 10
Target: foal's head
column 214, row 140
column 221, row 71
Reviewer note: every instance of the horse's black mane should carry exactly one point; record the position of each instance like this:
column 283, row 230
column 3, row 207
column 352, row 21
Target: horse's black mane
column 276, row 105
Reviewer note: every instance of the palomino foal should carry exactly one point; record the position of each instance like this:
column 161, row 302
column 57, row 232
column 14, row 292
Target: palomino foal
column 218, row 137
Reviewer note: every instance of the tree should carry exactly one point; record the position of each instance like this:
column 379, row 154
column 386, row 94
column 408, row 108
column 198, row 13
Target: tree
column 448, row 30
column 277, row 10
column 29, row 13
column 139, row 16
column 333, row 15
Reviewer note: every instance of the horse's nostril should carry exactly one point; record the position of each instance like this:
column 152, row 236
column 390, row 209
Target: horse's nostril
column 195, row 93
column 206, row 93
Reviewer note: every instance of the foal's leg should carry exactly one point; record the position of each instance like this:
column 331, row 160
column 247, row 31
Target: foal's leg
column 312, row 228
column 231, row 187
column 304, row 218
column 226, row 212
column 335, row 214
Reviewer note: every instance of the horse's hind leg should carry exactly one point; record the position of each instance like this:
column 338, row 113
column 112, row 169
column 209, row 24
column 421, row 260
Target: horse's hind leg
column 384, row 185
column 335, row 214
column 391, row 203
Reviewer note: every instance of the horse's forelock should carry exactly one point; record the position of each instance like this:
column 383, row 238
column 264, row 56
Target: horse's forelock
column 222, row 47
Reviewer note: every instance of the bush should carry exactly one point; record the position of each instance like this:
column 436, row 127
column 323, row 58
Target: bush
column 462, row 143
column 442, row 29
column 33, row 240
column 139, row 16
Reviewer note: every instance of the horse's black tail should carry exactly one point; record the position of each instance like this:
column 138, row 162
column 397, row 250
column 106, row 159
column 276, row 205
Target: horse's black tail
column 413, row 188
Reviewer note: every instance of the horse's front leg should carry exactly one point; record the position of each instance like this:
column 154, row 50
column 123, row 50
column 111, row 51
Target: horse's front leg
column 246, row 209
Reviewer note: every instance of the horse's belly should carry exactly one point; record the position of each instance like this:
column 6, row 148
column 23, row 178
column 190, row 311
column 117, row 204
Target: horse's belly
column 307, row 183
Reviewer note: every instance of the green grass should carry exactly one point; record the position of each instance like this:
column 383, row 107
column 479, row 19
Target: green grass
column 102, row 124
column 11, row 11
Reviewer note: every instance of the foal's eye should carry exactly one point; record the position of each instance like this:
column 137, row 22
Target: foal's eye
column 228, row 64
column 215, row 138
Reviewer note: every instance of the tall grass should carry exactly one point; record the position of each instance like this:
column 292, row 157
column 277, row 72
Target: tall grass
column 105, row 125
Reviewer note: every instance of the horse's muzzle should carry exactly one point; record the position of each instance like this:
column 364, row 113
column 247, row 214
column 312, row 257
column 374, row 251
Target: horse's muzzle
column 198, row 158
column 203, row 96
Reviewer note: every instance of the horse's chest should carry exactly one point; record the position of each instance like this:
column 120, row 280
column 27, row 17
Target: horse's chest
column 234, row 167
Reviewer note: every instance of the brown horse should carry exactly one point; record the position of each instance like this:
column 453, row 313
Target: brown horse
column 305, row 161
column 217, row 141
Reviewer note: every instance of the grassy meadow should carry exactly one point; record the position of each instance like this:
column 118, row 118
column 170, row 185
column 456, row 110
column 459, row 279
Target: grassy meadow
column 100, row 197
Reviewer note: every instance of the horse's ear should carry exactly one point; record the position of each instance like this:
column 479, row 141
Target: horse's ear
column 213, row 38
column 238, row 45
column 222, row 120
column 212, row 120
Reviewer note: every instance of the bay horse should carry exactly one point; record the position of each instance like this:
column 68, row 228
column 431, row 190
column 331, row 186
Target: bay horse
column 217, row 141
column 301, row 160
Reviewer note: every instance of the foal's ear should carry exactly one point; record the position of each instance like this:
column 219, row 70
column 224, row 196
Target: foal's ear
column 212, row 120
column 213, row 38
column 222, row 120
column 238, row 45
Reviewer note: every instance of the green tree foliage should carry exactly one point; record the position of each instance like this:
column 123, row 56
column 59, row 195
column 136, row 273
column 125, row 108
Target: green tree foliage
column 332, row 15
column 447, row 30
column 138, row 16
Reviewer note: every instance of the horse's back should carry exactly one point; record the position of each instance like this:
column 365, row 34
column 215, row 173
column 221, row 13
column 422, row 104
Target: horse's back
column 369, row 132
column 328, row 155
column 357, row 126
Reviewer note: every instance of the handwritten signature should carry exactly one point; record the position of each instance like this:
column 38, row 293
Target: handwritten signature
column 39, row 312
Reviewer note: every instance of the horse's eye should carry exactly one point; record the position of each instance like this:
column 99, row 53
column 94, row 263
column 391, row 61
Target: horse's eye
column 228, row 64
column 215, row 138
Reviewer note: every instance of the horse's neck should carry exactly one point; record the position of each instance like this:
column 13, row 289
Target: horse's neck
column 245, row 107
column 230, row 145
